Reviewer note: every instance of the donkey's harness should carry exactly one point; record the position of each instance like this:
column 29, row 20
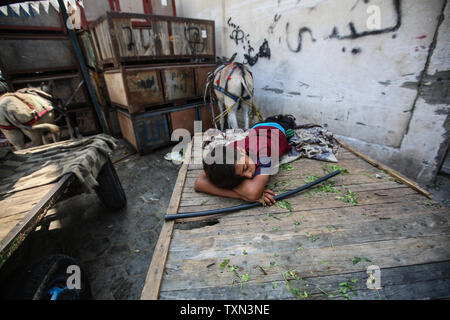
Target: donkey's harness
column 37, row 115
column 225, row 90
column 235, row 98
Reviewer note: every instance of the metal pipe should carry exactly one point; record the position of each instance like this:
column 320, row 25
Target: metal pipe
column 248, row 205
column 83, row 67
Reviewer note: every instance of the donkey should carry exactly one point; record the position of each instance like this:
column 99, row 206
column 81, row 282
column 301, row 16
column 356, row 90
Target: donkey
column 233, row 89
column 27, row 112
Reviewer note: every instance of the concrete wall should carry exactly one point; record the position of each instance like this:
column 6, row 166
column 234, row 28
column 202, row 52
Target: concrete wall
column 374, row 72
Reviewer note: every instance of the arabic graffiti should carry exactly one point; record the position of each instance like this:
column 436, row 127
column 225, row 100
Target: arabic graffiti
column 239, row 36
column 264, row 52
column 300, row 38
column 355, row 34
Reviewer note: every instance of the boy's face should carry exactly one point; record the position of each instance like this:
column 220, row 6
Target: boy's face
column 245, row 168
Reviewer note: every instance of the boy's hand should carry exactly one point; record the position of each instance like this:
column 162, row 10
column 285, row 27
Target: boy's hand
column 267, row 198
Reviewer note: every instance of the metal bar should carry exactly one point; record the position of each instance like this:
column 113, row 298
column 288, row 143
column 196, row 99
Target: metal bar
column 83, row 68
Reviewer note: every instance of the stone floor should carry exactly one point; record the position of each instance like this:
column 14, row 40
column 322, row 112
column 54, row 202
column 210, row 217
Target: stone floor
column 113, row 248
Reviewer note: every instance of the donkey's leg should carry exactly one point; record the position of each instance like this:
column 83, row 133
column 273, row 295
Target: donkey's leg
column 232, row 120
column 15, row 137
column 221, row 108
column 35, row 136
column 245, row 109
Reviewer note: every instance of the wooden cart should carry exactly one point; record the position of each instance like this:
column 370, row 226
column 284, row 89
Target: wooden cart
column 318, row 245
column 21, row 212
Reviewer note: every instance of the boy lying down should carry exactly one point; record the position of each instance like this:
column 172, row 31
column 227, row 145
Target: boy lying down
column 242, row 169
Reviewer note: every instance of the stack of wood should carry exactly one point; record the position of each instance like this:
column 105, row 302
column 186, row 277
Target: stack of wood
column 155, row 69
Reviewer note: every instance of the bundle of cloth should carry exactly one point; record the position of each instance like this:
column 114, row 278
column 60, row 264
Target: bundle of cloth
column 308, row 141
column 42, row 165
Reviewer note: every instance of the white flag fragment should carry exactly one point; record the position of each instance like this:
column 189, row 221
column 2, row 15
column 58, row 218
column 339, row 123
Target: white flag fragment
column 30, row 7
column 25, row 7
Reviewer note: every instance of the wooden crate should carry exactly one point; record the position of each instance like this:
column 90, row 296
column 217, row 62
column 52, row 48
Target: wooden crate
column 140, row 89
column 206, row 116
column 145, row 132
column 30, row 53
column 150, row 130
column 129, row 37
column 183, row 119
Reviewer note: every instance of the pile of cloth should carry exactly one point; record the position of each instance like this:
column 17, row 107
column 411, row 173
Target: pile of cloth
column 309, row 141
column 47, row 164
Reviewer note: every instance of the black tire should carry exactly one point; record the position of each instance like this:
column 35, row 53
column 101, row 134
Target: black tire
column 50, row 273
column 110, row 190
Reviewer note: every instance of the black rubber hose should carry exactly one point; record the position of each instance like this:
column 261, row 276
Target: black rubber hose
column 248, row 205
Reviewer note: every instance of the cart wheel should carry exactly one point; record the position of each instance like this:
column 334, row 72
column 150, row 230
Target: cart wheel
column 110, row 189
column 47, row 280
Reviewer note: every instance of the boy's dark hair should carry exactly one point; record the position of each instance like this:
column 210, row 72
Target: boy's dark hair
column 287, row 121
column 222, row 170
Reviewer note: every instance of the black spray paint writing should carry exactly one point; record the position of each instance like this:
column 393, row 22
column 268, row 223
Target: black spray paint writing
column 263, row 52
column 146, row 84
column 301, row 31
column 276, row 18
column 194, row 39
column 239, row 36
column 355, row 34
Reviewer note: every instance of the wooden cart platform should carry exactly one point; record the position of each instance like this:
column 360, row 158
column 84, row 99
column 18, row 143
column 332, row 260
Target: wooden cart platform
column 317, row 247
column 21, row 211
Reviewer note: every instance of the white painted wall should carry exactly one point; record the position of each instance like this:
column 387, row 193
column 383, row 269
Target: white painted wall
column 362, row 88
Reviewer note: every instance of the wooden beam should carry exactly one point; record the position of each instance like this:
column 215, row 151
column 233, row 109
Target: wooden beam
column 395, row 174
column 156, row 270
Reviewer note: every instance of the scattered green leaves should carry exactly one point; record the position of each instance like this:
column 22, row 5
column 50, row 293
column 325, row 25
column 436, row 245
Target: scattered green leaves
column 359, row 259
column 310, row 178
column 349, row 197
column 329, row 169
column 224, row 264
column 285, row 205
column 272, row 216
column 287, row 167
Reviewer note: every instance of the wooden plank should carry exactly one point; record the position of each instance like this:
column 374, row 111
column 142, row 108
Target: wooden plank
column 392, row 172
column 116, row 88
column 127, row 129
column 428, row 281
column 157, row 265
column 189, row 270
column 299, row 202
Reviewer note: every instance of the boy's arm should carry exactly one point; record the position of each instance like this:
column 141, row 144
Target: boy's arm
column 251, row 190
column 203, row 184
